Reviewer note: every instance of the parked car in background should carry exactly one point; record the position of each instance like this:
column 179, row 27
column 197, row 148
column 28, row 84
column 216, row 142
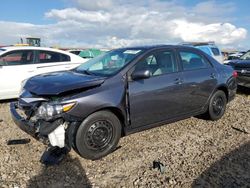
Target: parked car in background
column 90, row 53
column 209, row 48
column 121, row 92
column 20, row 63
column 233, row 56
column 242, row 66
column 76, row 52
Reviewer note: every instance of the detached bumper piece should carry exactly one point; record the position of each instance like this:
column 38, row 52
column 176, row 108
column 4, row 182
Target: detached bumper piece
column 54, row 131
column 54, row 155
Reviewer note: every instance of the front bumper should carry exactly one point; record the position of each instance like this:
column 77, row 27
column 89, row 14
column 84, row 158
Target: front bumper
column 21, row 122
column 59, row 132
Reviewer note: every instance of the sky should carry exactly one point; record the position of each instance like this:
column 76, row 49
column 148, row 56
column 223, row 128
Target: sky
column 117, row 23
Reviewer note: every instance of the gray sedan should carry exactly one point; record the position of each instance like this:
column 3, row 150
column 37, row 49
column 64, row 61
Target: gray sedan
column 121, row 92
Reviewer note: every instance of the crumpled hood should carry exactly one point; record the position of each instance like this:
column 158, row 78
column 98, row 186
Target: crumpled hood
column 60, row 82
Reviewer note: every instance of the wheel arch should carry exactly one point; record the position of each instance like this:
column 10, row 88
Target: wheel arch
column 118, row 112
column 223, row 88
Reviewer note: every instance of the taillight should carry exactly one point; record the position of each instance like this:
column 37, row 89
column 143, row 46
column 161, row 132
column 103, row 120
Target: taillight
column 235, row 74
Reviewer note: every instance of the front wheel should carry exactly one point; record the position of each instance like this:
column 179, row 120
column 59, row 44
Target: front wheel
column 98, row 135
column 217, row 105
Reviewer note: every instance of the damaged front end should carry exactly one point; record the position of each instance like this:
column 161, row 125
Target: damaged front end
column 46, row 120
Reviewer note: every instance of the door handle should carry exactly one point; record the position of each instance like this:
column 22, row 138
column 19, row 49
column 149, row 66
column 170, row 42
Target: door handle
column 178, row 81
column 213, row 75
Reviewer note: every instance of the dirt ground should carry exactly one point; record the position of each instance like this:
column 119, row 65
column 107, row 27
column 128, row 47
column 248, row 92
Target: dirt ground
column 195, row 153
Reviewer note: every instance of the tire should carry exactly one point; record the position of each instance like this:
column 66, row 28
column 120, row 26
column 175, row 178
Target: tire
column 217, row 105
column 98, row 135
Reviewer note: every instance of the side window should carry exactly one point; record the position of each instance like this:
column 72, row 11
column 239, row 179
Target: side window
column 193, row 61
column 151, row 60
column 51, row 57
column 19, row 57
column 158, row 63
column 64, row 58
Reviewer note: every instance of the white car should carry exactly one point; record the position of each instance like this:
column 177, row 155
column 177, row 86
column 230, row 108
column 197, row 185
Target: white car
column 212, row 50
column 20, row 63
column 209, row 48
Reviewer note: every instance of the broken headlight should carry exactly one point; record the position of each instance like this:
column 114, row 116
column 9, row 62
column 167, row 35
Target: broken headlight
column 47, row 110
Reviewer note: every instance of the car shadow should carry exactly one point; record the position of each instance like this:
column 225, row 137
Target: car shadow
column 232, row 170
column 69, row 173
column 243, row 90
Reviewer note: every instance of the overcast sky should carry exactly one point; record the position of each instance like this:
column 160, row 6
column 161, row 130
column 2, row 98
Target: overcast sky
column 115, row 23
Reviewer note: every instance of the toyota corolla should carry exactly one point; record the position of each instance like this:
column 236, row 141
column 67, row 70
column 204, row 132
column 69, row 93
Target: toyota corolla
column 126, row 90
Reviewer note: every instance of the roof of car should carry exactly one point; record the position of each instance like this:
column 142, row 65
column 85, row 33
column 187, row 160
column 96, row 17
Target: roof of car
column 10, row 48
column 146, row 47
column 28, row 48
column 151, row 47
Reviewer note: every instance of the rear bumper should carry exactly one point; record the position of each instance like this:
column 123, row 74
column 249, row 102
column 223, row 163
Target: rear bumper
column 232, row 88
column 243, row 80
column 21, row 122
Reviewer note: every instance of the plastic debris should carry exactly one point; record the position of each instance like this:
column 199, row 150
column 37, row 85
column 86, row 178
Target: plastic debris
column 243, row 130
column 159, row 166
column 18, row 141
column 53, row 155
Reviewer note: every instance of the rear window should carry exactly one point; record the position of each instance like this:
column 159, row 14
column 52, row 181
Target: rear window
column 205, row 49
column 215, row 51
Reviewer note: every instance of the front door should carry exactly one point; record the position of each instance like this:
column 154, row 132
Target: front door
column 160, row 96
column 15, row 66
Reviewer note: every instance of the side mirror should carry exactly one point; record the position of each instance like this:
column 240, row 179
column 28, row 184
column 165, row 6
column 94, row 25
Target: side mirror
column 141, row 74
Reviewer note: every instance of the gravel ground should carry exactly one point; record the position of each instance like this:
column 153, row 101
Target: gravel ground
column 195, row 153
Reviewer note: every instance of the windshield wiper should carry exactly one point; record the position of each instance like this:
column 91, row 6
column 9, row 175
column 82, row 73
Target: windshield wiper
column 84, row 72
column 87, row 72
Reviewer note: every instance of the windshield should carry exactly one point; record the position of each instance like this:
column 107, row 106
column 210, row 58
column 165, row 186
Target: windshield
column 109, row 63
column 246, row 56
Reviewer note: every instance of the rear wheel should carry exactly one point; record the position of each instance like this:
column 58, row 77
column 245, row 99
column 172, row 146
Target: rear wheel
column 217, row 105
column 98, row 135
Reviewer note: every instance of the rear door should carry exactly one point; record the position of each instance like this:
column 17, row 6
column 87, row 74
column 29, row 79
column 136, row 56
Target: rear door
column 49, row 61
column 159, row 97
column 15, row 66
column 200, row 79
